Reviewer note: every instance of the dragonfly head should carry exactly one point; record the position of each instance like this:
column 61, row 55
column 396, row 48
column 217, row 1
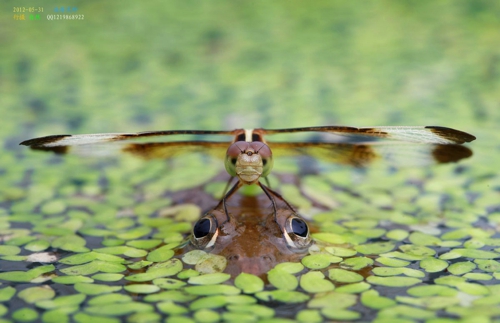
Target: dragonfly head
column 249, row 161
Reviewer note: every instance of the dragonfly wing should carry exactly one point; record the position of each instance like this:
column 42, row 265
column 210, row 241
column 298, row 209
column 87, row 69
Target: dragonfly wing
column 417, row 134
column 109, row 144
column 363, row 154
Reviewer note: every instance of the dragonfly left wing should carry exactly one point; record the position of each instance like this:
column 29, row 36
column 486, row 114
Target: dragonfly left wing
column 109, row 144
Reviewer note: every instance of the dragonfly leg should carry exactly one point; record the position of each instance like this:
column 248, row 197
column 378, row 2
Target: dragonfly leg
column 267, row 191
column 227, row 185
column 278, row 195
column 268, row 184
column 228, row 195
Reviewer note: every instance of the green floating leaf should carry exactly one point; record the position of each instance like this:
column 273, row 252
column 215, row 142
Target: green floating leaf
column 433, row 265
column 94, row 267
column 372, row 299
column 472, row 289
column 168, row 283
column 70, row 280
column 62, row 301
column 397, row 234
column 356, row 263
column 25, row 315
column 392, row 262
column 341, row 252
column 161, row 254
column 70, row 242
column 431, row 290
column 401, row 255
column 249, row 283
column 416, row 250
column 423, row 239
column 393, row 281
column 134, row 233
column 340, row 314
column 309, row 316
column 123, row 250
column 282, row 280
column 208, row 302
column 319, row 261
column 354, row 288
column 211, row 263
column 53, row 207
column 187, row 273
column 258, row 310
column 110, row 299
column 158, row 270
column 7, row 293
column 95, row 289
column 171, row 308
column 139, row 264
column 344, row 276
column 394, row 271
column 375, row 248
column 144, row 244
column 476, row 254
column 34, row 294
column 193, row 257
column 460, row 268
column 388, row 314
column 141, row 288
column 283, row 296
column 290, row 267
column 431, row 302
column 491, row 266
column 209, row 279
column 212, row 290
column 314, row 282
column 79, row 259
column 9, row 250
column 329, row 237
column 478, row 276
column 108, row 277
column 332, row 300
column 206, row 316
column 122, row 309
column 86, row 318
column 26, row 276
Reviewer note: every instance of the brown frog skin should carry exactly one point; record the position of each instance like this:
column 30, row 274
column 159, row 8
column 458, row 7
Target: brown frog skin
column 251, row 237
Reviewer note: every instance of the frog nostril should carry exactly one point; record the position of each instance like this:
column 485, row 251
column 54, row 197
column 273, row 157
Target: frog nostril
column 267, row 258
column 233, row 257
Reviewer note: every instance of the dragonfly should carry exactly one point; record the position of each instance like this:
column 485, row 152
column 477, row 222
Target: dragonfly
column 248, row 156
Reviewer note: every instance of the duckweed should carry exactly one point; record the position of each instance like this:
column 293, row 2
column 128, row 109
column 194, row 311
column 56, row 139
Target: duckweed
column 106, row 240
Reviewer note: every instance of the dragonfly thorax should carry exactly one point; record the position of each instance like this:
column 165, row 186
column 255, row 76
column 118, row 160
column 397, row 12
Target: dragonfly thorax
column 248, row 161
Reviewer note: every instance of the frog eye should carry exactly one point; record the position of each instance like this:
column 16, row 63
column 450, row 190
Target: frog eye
column 205, row 232
column 297, row 233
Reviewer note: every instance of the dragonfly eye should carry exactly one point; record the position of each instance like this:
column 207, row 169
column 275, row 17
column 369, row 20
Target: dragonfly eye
column 232, row 154
column 267, row 159
column 297, row 233
column 205, row 232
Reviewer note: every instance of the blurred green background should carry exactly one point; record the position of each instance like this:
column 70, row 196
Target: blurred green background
column 133, row 66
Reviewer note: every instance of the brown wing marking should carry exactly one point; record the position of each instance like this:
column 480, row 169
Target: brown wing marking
column 457, row 136
column 36, row 142
column 153, row 150
column 450, row 153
